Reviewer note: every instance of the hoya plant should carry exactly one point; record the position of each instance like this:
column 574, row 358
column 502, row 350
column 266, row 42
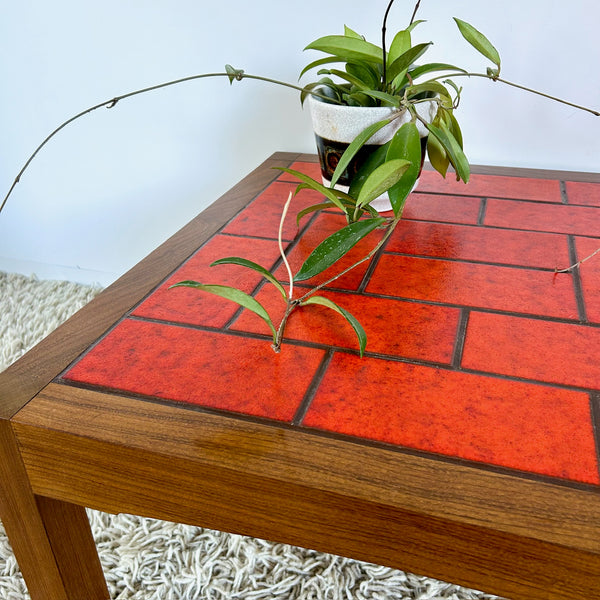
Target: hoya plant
column 355, row 72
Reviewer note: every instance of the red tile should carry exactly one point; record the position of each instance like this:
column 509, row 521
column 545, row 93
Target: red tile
column 393, row 327
column 309, row 168
column 580, row 192
column 581, row 220
column 202, row 368
column 448, row 209
column 503, row 288
column 480, row 244
column 262, row 217
column 187, row 305
column 590, row 275
column 517, row 425
column 497, row 186
column 323, row 226
column 562, row 353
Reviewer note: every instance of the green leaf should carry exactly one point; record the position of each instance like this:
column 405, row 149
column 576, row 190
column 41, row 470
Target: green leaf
column 433, row 67
column 322, row 61
column 404, row 61
column 242, row 262
column 478, row 41
column 406, row 144
column 351, row 33
column 315, row 185
column 400, row 44
column 357, row 143
column 414, row 24
column 350, row 49
column 235, row 295
column 384, row 97
column 454, row 128
column 437, row 155
column 234, row 74
column 335, row 246
column 365, row 73
column 349, row 77
column 374, row 160
column 310, row 209
column 358, row 328
column 431, row 86
column 452, row 148
column 381, row 180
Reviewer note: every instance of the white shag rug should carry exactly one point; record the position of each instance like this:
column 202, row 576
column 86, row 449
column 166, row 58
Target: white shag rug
column 146, row 559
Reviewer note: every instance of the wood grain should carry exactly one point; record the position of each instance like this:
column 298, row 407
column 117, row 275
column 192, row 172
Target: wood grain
column 51, row 540
column 513, row 537
column 22, row 380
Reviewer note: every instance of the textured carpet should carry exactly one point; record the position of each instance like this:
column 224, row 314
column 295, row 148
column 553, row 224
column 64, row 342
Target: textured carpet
column 148, row 559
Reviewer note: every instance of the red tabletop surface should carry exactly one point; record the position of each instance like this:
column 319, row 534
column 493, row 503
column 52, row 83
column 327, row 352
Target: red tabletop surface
column 478, row 350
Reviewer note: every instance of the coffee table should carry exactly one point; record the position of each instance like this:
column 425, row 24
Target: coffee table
column 463, row 446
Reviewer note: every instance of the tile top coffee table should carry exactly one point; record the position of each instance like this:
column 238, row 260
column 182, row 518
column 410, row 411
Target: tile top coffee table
column 464, row 445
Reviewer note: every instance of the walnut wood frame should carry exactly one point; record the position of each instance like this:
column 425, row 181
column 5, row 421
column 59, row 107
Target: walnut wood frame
column 63, row 448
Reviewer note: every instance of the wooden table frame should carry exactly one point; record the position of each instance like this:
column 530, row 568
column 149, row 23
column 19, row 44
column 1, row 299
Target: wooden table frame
column 488, row 530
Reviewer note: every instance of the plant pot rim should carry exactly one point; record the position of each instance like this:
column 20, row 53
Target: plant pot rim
column 342, row 123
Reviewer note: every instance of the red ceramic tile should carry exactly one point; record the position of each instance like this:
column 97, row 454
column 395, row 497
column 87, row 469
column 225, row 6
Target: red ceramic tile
column 498, row 186
column 188, row 305
column 580, row 192
column 393, row 327
column 469, row 284
column 522, row 426
column 448, row 209
column 581, row 220
column 308, row 168
column 590, row 275
column 484, row 244
column 262, row 217
column 561, row 353
column 324, row 225
column 202, row 368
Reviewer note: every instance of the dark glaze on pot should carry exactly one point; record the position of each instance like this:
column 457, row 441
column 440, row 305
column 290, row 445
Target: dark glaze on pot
column 330, row 153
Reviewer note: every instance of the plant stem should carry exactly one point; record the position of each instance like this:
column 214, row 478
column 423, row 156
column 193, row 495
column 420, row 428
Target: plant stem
column 384, row 52
column 113, row 101
column 412, row 19
column 521, row 87
column 280, row 243
column 289, row 309
column 293, row 304
column 578, row 264
column 380, row 244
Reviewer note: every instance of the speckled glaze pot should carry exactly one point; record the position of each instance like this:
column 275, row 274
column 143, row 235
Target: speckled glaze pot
column 335, row 126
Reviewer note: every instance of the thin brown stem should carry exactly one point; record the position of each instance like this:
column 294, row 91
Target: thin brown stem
column 113, row 101
column 412, row 19
column 578, row 264
column 289, row 309
column 383, row 48
column 370, row 255
column 521, row 87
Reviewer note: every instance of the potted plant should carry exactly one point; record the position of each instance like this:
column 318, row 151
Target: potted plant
column 410, row 113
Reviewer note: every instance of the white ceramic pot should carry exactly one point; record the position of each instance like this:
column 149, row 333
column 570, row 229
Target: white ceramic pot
column 335, row 126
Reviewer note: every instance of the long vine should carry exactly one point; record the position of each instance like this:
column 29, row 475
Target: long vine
column 368, row 79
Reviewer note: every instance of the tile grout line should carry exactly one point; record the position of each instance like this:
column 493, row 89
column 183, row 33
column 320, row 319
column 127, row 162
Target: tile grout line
column 563, row 192
column 482, row 210
column 461, row 335
column 577, row 287
column 312, row 389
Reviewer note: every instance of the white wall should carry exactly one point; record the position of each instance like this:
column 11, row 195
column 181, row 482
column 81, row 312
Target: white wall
column 112, row 186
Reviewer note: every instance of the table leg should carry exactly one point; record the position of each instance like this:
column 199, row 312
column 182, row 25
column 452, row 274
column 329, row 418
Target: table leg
column 51, row 539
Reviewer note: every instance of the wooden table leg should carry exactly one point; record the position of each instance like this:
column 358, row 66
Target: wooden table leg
column 52, row 540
